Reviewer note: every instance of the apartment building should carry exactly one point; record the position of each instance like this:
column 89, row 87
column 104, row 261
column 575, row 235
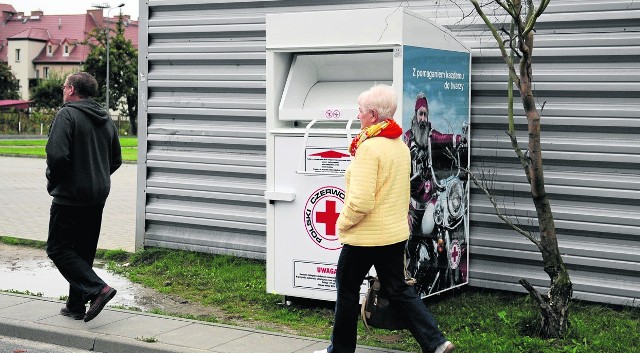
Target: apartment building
column 37, row 45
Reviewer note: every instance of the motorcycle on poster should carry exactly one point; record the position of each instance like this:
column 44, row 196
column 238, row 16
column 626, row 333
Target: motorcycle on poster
column 436, row 123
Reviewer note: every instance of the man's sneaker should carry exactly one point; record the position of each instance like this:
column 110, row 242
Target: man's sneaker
column 107, row 293
column 446, row 347
column 72, row 314
column 321, row 351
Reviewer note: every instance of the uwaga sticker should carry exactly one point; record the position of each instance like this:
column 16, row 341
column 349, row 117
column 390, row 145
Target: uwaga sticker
column 321, row 215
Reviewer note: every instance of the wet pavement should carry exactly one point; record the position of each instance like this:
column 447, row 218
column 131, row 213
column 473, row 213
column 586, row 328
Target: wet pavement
column 24, row 269
column 40, row 277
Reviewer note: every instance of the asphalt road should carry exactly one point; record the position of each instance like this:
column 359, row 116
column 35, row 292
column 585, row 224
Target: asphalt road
column 16, row 345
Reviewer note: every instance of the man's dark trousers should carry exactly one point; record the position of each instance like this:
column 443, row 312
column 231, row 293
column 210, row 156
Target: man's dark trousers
column 72, row 244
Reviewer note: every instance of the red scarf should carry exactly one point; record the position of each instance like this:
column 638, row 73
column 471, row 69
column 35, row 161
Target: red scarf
column 388, row 128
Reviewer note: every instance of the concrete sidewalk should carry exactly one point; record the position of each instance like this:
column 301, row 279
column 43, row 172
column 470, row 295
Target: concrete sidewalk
column 122, row 331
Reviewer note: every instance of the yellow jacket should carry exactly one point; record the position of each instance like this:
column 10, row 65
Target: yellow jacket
column 377, row 199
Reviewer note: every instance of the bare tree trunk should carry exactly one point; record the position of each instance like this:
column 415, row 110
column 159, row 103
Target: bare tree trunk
column 554, row 307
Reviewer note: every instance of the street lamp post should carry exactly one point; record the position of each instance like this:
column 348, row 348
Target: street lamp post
column 108, row 52
column 107, row 29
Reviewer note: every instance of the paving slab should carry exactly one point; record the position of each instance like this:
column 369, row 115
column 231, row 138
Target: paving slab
column 31, row 310
column 202, row 337
column 125, row 331
column 107, row 317
column 11, row 301
column 140, row 327
column 264, row 343
column 24, row 210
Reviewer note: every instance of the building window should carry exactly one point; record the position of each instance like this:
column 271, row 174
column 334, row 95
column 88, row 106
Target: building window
column 45, row 71
column 37, row 73
column 49, row 49
column 17, row 55
column 66, row 50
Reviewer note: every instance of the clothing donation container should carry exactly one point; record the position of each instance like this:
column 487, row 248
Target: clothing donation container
column 317, row 65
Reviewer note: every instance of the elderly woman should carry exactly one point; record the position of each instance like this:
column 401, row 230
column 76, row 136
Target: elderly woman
column 374, row 229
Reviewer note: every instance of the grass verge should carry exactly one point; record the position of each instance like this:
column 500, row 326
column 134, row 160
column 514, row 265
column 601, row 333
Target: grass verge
column 36, row 148
column 476, row 320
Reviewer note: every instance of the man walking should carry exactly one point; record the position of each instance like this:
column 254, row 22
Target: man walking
column 82, row 152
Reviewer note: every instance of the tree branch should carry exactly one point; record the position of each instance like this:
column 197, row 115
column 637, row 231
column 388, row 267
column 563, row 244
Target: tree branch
column 508, row 9
column 532, row 21
column 499, row 213
column 542, row 302
column 512, row 127
column 498, row 39
column 524, row 160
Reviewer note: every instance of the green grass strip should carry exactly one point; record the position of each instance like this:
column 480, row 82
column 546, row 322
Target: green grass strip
column 24, row 142
column 36, row 148
column 477, row 320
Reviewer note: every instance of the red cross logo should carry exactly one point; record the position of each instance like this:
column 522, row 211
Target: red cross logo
column 329, row 217
column 323, row 206
column 455, row 254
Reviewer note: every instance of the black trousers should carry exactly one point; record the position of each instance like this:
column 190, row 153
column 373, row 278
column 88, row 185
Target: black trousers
column 72, row 244
column 353, row 264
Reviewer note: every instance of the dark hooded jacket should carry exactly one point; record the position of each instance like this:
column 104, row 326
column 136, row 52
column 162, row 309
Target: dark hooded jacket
column 82, row 152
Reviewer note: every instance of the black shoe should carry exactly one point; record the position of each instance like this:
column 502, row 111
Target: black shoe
column 107, row 293
column 72, row 314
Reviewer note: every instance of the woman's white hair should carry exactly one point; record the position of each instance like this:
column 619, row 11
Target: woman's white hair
column 381, row 98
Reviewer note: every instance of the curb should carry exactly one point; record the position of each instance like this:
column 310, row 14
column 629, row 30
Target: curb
column 84, row 340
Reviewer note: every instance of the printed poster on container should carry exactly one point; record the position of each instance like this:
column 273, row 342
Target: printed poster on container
column 435, row 123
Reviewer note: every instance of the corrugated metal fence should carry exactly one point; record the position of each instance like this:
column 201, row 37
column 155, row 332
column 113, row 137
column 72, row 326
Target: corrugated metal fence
column 202, row 135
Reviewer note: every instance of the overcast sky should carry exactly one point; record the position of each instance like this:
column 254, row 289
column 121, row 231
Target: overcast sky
column 72, row 7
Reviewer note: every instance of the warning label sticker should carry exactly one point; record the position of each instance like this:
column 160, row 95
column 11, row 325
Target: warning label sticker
column 327, row 160
column 314, row 275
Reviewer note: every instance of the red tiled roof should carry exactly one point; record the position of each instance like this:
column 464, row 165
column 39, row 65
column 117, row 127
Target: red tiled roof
column 32, row 33
column 59, row 26
column 130, row 29
column 77, row 54
column 69, row 41
column 72, row 28
column 7, row 8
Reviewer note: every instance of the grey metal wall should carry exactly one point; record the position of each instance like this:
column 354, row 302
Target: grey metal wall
column 202, row 135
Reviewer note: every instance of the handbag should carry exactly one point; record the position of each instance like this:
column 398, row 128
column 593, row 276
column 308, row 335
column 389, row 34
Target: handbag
column 377, row 311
